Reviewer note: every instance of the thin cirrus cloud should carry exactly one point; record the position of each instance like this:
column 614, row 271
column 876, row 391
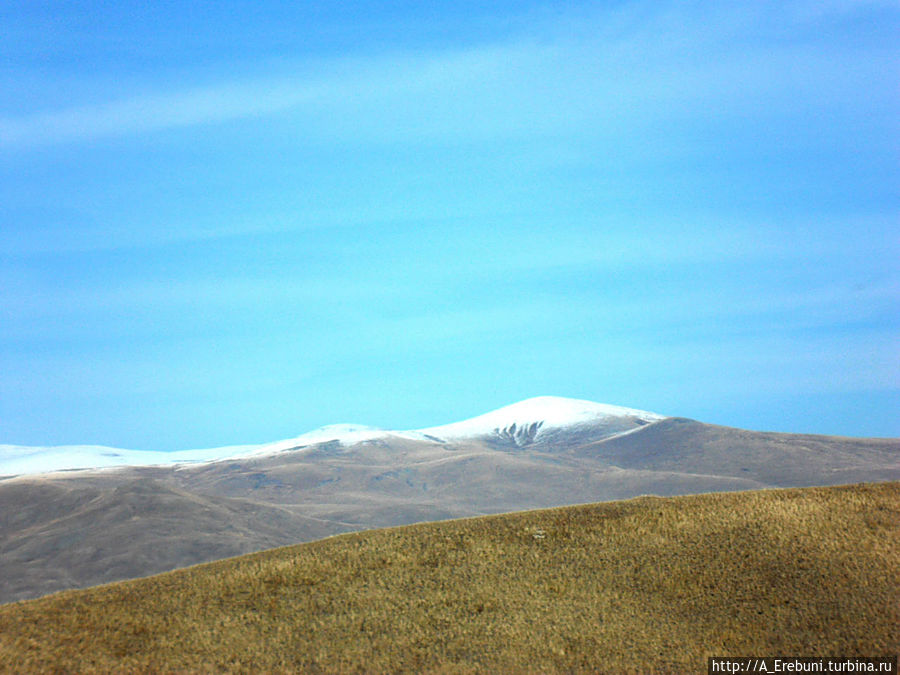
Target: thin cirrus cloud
column 614, row 249
column 152, row 113
column 355, row 86
column 599, row 82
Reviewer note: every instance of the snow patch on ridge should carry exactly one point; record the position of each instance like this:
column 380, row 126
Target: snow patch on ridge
column 536, row 417
column 20, row 459
column 348, row 434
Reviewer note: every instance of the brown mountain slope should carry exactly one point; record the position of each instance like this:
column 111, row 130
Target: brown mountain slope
column 59, row 535
column 82, row 528
column 777, row 459
column 650, row 585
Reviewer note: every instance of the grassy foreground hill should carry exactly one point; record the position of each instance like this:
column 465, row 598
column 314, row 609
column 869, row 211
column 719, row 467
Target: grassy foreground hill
column 644, row 585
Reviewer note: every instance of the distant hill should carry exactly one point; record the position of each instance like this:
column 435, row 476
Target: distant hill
column 71, row 529
column 644, row 585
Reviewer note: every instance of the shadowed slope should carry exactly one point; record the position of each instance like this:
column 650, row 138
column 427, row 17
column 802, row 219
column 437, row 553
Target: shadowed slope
column 58, row 535
column 776, row 459
column 647, row 585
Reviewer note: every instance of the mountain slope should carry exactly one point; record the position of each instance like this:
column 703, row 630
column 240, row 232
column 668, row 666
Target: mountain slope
column 776, row 459
column 57, row 535
column 646, row 585
column 77, row 528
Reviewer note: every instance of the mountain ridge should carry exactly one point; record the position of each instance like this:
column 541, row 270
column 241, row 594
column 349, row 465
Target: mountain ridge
column 519, row 423
column 71, row 529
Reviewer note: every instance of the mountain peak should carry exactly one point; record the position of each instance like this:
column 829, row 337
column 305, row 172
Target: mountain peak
column 528, row 420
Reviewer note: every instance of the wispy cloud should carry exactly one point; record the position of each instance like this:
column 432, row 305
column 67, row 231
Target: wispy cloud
column 348, row 84
column 157, row 111
column 619, row 67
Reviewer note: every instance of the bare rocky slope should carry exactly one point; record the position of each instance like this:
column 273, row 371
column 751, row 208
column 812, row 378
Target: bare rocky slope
column 74, row 529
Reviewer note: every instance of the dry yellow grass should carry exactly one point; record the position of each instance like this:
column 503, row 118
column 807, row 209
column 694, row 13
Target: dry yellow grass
column 645, row 585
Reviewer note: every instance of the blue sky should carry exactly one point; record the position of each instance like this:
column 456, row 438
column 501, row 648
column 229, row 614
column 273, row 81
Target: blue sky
column 233, row 223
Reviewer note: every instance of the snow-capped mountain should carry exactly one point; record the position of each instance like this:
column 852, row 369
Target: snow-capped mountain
column 158, row 511
column 541, row 419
